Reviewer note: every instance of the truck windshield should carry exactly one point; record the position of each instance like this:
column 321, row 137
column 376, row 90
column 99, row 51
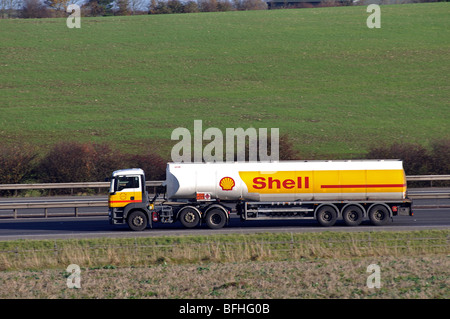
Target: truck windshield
column 122, row 182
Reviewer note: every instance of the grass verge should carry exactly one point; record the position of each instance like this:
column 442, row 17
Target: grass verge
column 291, row 265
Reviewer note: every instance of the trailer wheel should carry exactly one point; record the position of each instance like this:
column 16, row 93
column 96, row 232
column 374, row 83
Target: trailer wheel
column 189, row 217
column 379, row 215
column 353, row 215
column 326, row 215
column 216, row 218
column 137, row 220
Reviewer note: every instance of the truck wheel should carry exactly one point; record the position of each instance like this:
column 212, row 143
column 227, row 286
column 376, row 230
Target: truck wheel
column 379, row 215
column 137, row 220
column 353, row 215
column 216, row 218
column 326, row 216
column 189, row 217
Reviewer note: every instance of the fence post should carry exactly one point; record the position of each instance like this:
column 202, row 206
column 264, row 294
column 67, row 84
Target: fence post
column 45, row 212
column 76, row 211
column 15, row 213
column 292, row 244
column 55, row 249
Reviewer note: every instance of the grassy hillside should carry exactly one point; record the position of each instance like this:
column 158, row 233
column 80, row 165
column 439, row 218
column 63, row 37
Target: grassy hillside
column 319, row 75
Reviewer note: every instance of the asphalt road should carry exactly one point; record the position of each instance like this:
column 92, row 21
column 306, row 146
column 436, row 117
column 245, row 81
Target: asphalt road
column 89, row 227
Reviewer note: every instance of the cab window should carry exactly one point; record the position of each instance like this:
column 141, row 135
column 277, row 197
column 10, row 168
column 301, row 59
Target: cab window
column 123, row 182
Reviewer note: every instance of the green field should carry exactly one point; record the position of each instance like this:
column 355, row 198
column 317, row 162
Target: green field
column 320, row 75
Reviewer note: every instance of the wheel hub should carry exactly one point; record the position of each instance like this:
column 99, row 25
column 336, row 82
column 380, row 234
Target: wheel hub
column 353, row 216
column 138, row 221
column 379, row 215
column 189, row 217
column 216, row 219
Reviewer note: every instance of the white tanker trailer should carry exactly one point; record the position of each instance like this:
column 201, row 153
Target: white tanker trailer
column 322, row 190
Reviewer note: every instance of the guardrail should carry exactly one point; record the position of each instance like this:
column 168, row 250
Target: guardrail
column 67, row 185
column 427, row 178
column 410, row 178
column 72, row 186
column 47, row 205
column 14, row 207
column 415, row 178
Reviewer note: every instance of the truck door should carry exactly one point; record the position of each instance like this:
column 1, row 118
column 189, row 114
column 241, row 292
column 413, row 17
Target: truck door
column 127, row 189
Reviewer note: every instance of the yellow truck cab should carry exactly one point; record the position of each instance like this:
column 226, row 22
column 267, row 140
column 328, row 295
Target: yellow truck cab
column 128, row 199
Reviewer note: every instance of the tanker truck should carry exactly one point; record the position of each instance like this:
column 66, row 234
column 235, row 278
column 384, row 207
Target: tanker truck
column 206, row 193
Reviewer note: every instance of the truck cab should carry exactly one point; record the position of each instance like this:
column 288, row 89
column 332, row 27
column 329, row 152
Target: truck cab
column 129, row 204
column 128, row 199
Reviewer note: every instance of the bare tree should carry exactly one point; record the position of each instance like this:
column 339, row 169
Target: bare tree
column 122, row 7
column 152, row 6
column 207, row 5
column 59, row 5
column 136, row 6
column 34, row 9
column 250, row 4
column 10, row 8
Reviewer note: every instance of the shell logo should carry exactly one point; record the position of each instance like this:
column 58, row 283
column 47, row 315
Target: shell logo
column 227, row 183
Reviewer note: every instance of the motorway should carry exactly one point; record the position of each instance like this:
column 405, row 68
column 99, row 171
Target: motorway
column 98, row 226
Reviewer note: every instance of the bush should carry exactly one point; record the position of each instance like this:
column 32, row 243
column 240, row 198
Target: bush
column 16, row 164
column 416, row 159
column 34, row 9
column 86, row 162
column 440, row 157
column 287, row 151
column 65, row 163
column 224, row 5
column 153, row 165
column 190, row 7
column 207, row 5
column 76, row 162
column 175, row 6
column 250, row 4
column 105, row 161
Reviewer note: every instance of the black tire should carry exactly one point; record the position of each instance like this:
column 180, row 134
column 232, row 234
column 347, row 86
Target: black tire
column 216, row 218
column 379, row 215
column 326, row 216
column 189, row 217
column 353, row 215
column 137, row 220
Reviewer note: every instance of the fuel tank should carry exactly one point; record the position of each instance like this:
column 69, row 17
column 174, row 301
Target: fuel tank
column 288, row 180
